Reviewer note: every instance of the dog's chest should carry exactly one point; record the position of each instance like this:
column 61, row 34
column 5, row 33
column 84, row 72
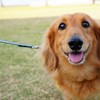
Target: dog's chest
column 76, row 90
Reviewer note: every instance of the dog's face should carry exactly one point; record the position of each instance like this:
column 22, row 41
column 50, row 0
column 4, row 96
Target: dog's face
column 71, row 51
column 74, row 37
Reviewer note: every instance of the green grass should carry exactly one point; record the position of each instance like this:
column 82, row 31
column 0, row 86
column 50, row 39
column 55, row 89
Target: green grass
column 21, row 74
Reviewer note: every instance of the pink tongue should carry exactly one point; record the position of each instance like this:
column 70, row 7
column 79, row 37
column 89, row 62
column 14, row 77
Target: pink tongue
column 76, row 57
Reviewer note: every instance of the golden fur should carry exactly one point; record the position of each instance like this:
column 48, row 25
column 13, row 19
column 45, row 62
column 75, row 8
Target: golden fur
column 75, row 81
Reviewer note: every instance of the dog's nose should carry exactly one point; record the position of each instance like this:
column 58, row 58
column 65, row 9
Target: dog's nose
column 75, row 43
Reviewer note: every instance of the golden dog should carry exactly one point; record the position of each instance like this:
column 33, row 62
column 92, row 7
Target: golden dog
column 71, row 52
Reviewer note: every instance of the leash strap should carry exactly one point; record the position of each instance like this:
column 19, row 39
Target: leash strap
column 19, row 44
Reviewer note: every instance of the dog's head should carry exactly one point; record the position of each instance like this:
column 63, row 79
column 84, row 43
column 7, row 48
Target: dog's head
column 72, row 38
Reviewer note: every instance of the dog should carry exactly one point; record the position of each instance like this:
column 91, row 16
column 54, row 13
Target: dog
column 71, row 53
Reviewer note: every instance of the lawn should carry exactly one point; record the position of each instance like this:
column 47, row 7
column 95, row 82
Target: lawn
column 31, row 12
column 22, row 76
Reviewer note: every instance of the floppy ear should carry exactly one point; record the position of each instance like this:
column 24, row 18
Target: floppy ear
column 48, row 53
column 97, row 34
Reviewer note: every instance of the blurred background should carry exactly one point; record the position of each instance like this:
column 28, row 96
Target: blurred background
column 22, row 75
column 46, row 2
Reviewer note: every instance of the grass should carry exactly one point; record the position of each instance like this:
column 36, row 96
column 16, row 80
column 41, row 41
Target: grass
column 21, row 74
column 31, row 12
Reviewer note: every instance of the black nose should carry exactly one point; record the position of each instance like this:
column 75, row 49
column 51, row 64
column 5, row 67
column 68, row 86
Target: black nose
column 75, row 43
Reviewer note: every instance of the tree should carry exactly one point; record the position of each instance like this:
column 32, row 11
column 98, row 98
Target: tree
column 46, row 2
column 93, row 1
column 1, row 2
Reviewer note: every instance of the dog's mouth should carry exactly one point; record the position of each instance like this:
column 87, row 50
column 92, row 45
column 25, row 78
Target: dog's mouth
column 76, row 57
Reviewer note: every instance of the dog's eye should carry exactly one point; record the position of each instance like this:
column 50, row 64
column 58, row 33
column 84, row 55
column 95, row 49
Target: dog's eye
column 62, row 26
column 85, row 24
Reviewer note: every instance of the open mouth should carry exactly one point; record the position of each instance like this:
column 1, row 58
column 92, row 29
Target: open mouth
column 76, row 57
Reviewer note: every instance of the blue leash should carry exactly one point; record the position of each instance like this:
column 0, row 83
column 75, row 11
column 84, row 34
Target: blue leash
column 19, row 44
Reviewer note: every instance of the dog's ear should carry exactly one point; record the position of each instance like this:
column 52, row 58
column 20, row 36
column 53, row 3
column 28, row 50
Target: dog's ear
column 47, row 50
column 97, row 34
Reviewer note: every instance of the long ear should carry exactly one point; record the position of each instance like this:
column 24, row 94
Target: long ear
column 97, row 34
column 48, row 53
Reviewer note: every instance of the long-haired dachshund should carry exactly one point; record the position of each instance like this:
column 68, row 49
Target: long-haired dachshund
column 71, row 53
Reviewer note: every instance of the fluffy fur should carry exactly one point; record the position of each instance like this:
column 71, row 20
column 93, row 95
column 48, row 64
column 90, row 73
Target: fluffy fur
column 76, row 81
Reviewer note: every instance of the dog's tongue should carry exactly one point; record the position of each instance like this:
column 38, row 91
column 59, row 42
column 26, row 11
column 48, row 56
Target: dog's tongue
column 76, row 57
